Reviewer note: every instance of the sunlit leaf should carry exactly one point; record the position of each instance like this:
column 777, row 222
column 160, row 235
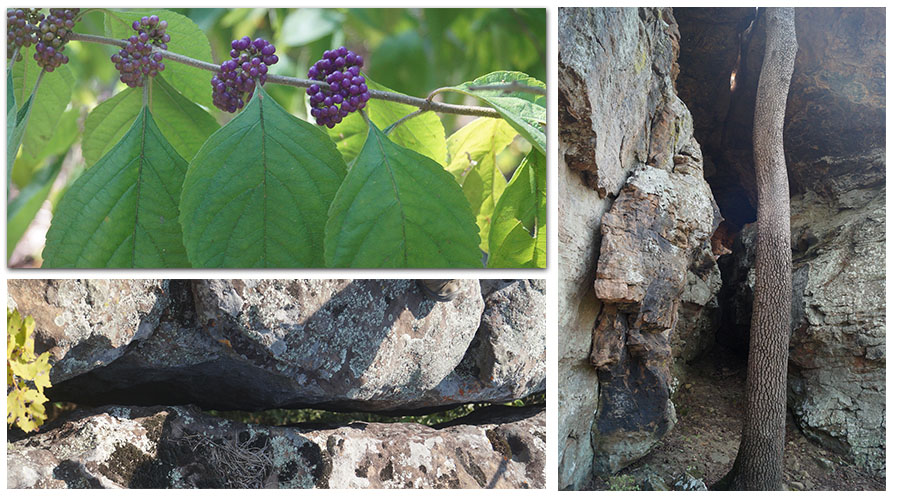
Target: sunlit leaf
column 518, row 236
column 423, row 134
column 525, row 111
column 50, row 101
column 122, row 212
column 257, row 193
column 473, row 152
column 397, row 208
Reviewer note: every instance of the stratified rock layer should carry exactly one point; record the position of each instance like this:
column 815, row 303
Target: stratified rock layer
column 633, row 195
column 180, row 447
column 372, row 345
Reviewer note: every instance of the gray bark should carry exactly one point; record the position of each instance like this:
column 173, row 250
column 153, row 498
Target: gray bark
column 759, row 461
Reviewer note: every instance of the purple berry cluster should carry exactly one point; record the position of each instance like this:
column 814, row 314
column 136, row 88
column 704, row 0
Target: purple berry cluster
column 52, row 34
column 234, row 82
column 137, row 60
column 21, row 29
column 346, row 91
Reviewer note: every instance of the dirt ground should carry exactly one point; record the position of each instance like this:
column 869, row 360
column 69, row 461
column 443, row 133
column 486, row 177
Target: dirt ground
column 706, row 438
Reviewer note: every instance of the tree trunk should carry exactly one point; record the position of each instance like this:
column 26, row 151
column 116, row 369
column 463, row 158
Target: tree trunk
column 760, row 458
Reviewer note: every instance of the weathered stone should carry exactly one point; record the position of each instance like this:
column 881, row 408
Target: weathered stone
column 374, row 345
column 625, row 135
column 836, row 379
column 659, row 222
column 506, row 359
column 687, row 482
column 180, row 447
column 377, row 341
column 698, row 313
column 88, row 323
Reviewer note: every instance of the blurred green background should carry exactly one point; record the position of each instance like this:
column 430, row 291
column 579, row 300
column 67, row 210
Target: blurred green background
column 412, row 51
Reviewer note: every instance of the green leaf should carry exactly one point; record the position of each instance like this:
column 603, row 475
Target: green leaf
column 257, row 193
column 473, row 151
column 14, row 130
column 107, row 123
column 397, row 208
column 303, row 26
column 184, row 124
column 65, row 133
column 518, row 235
column 122, row 212
column 21, row 210
column 48, row 105
column 526, row 112
column 187, row 39
column 423, row 134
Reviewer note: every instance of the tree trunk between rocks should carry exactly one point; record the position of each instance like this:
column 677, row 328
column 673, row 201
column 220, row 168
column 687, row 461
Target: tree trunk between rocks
column 759, row 461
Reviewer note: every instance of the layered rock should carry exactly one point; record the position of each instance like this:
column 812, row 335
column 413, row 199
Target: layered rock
column 180, row 447
column 634, row 207
column 373, row 345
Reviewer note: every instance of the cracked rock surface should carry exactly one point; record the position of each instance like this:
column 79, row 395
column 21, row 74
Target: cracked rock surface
column 181, row 447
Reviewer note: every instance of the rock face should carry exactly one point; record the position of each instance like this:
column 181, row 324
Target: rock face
column 372, row 345
column 635, row 225
column 836, row 377
column 835, row 150
column 180, row 447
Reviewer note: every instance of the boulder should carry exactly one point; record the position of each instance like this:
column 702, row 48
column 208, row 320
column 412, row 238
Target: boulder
column 181, row 447
column 86, row 324
column 505, row 360
column 372, row 345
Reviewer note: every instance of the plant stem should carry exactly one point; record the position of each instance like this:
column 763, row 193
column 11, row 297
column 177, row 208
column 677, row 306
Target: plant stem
column 38, row 82
column 510, row 87
column 422, row 104
column 426, row 106
column 12, row 59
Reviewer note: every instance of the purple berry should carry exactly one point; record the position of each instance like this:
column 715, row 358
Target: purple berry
column 340, row 69
column 233, row 88
column 137, row 60
column 27, row 26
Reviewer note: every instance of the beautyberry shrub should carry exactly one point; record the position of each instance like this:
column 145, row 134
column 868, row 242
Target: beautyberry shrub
column 137, row 60
column 346, row 91
column 21, row 29
column 233, row 84
column 52, row 34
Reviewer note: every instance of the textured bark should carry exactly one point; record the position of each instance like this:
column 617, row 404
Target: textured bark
column 759, row 461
